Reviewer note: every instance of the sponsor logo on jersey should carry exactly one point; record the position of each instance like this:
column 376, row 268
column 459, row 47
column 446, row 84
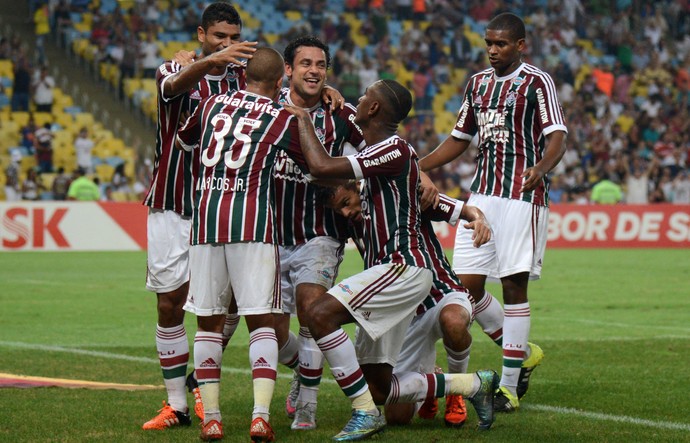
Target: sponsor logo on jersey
column 518, row 81
column 366, row 314
column 208, row 363
column 261, row 363
column 484, row 81
column 324, row 273
column 478, row 99
column 385, row 158
column 320, row 112
column 195, row 95
column 542, row 106
column 262, row 106
column 232, row 75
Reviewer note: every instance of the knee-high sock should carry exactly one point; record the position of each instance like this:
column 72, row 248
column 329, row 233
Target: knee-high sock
column 458, row 361
column 310, row 367
column 229, row 328
column 411, row 387
column 515, row 334
column 339, row 351
column 208, row 355
column 263, row 358
column 489, row 314
column 173, row 354
column 288, row 355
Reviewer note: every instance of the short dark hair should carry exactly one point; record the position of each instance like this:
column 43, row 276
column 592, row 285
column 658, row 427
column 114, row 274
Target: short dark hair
column 265, row 66
column 309, row 41
column 324, row 194
column 397, row 97
column 508, row 22
column 220, row 12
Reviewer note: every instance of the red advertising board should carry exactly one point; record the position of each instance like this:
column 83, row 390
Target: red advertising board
column 615, row 226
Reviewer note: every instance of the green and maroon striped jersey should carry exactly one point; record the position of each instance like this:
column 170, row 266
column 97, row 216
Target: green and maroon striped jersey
column 173, row 170
column 390, row 203
column 299, row 218
column 512, row 116
column 239, row 135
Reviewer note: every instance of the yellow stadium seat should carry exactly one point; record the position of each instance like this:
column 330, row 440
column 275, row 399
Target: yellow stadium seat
column 293, row 16
column 6, row 69
column 105, row 172
column 84, row 119
column 21, row 118
column 41, row 118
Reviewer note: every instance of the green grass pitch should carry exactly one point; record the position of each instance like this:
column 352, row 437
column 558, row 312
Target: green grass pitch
column 614, row 325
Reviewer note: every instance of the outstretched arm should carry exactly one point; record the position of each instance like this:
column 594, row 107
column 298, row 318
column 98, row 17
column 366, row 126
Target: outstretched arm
column 321, row 165
column 450, row 149
column 477, row 222
column 185, row 80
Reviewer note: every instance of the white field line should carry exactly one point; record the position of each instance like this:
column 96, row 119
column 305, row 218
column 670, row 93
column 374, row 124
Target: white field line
column 610, row 324
column 609, row 417
column 544, row 408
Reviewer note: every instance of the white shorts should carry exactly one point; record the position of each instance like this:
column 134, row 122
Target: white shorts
column 316, row 261
column 167, row 250
column 418, row 352
column 518, row 239
column 382, row 296
column 245, row 271
column 384, row 350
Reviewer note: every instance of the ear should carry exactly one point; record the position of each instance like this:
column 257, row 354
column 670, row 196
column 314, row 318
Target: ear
column 374, row 109
column 521, row 45
column 288, row 70
column 200, row 34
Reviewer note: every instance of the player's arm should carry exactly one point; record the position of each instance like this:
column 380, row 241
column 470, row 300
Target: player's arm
column 450, row 210
column 190, row 75
column 320, row 163
column 555, row 148
column 450, row 149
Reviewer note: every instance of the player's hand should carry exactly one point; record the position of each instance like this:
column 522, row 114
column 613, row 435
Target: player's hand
column 333, row 97
column 482, row 231
column 298, row 112
column 531, row 179
column 184, row 58
column 428, row 192
column 236, row 53
column 183, row 118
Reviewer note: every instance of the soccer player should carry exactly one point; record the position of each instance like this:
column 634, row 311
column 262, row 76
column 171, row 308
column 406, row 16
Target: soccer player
column 233, row 230
column 446, row 313
column 383, row 298
column 310, row 236
column 514, row 110
column 170, row 196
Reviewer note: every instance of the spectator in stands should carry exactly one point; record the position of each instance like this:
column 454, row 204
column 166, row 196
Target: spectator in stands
column 31, row 186
column 21, row 87
column 120, row 182
column 83, row 188
column 350, row 83
column 62, row 20
column 61, row 184
column 129, row 64
column 149, row 54
column 42, row 22
column 28, row 134
column 172, row 18
column 606, row 192
column 638, row 179
column 12, row 190
column 43, row 85
column 43, row 145
column 83, row 145
column 680, row 189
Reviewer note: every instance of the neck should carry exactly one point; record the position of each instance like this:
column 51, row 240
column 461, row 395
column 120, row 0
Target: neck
column 302, row 102
column 259, row 89
column 376, row 133
column 510, row 68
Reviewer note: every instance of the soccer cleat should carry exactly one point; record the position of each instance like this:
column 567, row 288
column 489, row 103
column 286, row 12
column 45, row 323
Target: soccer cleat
column 167, row 418
column 534, row 360
column 291, row 400
column 504, row 401
column 361, row 426
column 260, row 430
column 429, row 409
column 456, row 411
column 193, row 387
column 305, row 418
column 212, row 431
column 483, row 399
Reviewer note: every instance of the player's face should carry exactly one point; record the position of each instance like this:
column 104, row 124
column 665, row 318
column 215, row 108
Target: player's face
column 365, row 102
column 218, row 36
column 504, row 52
column 308, row 72
column 346, row 202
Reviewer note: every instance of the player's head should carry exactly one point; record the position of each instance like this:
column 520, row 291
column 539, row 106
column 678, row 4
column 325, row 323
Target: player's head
column 265, row 72
column 343, row 199
column 306, row 61
column 505, row 42
column 386, row 100
column 220, row 27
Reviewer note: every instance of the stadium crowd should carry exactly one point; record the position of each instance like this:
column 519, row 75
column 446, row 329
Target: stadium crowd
column 622, row 69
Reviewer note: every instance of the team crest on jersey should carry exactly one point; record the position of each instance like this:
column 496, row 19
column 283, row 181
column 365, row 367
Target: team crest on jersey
column 518, row 81
column 321, row 134
column 320, row 112
column 511, row 98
